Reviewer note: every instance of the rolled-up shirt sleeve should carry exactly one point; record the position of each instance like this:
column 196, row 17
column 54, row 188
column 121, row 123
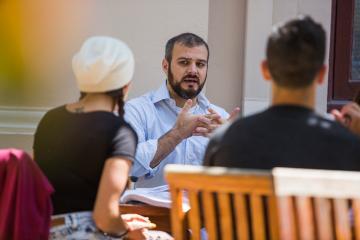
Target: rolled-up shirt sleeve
column 146, row 148
column 144, row 155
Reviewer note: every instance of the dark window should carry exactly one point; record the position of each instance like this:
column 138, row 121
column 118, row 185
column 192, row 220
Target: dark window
column 344, row 70
column 355, row 55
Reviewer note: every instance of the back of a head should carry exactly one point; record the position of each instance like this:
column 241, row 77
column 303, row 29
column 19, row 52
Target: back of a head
column 103, row 64
column 295, row 52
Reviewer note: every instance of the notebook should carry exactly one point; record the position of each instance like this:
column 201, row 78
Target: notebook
column 156, row 196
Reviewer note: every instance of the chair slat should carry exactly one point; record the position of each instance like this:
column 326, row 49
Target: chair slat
column 227, row 179
column 342, row 220
column 287, row 220
column 305, row 218
column 323, row 219
column 209, row 215
column 194, row 214
column 273, row 217
column 356, row 215
column 225, row 216
column 257, row 213
column 241, row 215
column 177, row 214
column 290, row 215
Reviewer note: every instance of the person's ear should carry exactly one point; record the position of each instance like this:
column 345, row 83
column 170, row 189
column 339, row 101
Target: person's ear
column 265, row 70
column 126, row 87
column 125, row 90
column 165, row 66
column 320, row 77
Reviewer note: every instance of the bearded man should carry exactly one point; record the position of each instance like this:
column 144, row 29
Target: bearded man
column 173, row 122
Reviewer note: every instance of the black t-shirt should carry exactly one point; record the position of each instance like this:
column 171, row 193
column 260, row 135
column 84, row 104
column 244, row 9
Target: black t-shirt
column 285, row 136
column 71, row 149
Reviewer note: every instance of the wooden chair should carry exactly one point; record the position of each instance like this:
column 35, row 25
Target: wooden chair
column 318, row 204
column 233, row 203
column 281, row 204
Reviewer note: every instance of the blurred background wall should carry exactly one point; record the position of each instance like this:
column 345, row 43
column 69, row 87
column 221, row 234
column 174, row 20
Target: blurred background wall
column 39, row 37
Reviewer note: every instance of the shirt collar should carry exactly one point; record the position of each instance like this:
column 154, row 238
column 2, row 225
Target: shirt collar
column 162, row 93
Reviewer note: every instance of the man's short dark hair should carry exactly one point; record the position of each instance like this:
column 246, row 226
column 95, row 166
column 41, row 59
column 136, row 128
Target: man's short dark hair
column 186, row 39
column 295, row 52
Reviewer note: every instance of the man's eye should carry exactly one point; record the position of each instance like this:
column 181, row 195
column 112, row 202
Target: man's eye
column 184, row 62
column 200, row 64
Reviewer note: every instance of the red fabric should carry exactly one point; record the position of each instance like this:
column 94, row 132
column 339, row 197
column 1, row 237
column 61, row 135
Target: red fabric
column 25, row 203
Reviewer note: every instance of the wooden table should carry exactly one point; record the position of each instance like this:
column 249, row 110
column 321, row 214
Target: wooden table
column 158, row 215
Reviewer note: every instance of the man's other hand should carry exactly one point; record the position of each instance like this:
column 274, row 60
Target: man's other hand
column 349, row 116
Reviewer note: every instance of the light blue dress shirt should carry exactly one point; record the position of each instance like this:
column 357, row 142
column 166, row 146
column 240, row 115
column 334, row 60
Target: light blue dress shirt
column 154, row 114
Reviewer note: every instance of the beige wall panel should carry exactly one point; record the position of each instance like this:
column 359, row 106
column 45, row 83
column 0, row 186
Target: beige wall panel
column 227, row 45
column 284, row 9
column 258, row 27
column 320, row 10
column 17, row 141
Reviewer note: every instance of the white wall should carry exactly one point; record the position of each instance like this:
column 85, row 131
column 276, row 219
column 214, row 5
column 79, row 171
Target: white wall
column 258, row 25
column 261, row 15
column 52, row 31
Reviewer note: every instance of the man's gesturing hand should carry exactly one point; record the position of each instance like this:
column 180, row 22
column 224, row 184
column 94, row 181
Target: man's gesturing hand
column 216, row 121
column 186, row 123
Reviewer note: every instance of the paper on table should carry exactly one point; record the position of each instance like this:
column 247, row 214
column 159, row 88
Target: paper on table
column 159, row 235
column 156, row 196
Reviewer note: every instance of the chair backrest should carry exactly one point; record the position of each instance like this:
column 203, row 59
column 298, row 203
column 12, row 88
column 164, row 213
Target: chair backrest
column 25, row 203
column 233, row 204
column 317, row 204
column 285, row 203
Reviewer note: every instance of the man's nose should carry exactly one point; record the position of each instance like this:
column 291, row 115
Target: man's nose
column 192, row 68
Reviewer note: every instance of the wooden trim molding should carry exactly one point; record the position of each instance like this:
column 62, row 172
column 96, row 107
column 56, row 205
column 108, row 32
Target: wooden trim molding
column 341, row 87
column 20, row 120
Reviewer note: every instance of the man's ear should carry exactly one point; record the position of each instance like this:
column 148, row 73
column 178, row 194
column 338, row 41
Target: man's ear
column 265, row 70
column 165, row 66
column 320, row 77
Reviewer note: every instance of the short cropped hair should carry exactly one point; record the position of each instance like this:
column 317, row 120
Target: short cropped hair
column 295, row 52
column 186, row 39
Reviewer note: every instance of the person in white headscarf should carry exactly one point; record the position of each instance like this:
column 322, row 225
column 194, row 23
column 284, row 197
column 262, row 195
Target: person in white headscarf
column 86, row 149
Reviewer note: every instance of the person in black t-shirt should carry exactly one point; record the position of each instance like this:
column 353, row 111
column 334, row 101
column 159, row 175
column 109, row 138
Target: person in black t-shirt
column 86, row 149
column 289, row 133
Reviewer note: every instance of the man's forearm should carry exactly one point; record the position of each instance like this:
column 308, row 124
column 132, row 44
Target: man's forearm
column 166, row 144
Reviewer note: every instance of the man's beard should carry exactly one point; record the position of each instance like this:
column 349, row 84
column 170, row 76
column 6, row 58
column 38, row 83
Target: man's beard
column 183, row 93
